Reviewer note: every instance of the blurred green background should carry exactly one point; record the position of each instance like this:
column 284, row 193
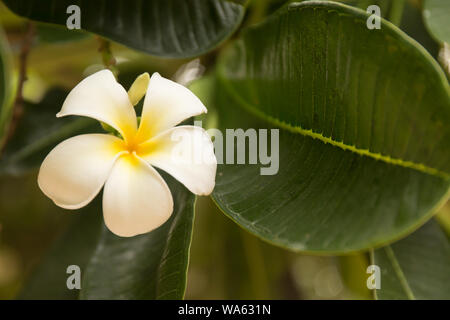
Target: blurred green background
column 225, row 263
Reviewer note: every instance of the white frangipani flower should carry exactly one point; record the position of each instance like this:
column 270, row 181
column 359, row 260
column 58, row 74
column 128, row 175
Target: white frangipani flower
column 136, row 199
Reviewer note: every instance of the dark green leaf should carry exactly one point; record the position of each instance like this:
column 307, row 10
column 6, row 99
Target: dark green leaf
column 364, row 155
column 149, row 266
column 417, row 267
column 436, row 14
column 167, row 28
column 38, row 131
column 377, row 93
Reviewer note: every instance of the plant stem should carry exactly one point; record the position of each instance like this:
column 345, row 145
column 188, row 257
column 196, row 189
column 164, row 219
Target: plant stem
column 256, row 265
column 399, row 273
column 108, row 59
column 18, row 111
column 396, row 12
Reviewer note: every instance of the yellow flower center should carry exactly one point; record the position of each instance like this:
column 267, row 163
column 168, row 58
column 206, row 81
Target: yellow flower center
column 137, row 90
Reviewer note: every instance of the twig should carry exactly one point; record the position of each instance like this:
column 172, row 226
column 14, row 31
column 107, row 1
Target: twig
column 108, row 59
column 396, row 13
column 18, row 110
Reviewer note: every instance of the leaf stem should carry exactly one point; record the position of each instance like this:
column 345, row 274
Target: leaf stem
column 18, row 111
column 372, row 262
column 396, row 12
column 108, row 59
column 399, row 272
column 256, row 265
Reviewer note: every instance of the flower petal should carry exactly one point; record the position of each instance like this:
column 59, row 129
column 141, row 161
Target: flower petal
column 136, row 199
column 75, row 170
column 99, row 96
column 186, row 153
column 166, row 104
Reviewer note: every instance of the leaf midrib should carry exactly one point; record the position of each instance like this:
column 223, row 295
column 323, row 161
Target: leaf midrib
column 309, row 133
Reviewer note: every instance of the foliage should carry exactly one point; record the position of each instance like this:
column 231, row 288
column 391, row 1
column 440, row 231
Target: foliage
column 364, row 160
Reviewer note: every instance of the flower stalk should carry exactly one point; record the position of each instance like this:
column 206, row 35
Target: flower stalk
column 108, row 59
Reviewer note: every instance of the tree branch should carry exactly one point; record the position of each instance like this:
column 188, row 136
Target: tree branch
column 18, row 111
column 108, row 59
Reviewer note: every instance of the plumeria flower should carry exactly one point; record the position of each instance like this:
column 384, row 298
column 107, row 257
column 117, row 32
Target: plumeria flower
column 136, row 199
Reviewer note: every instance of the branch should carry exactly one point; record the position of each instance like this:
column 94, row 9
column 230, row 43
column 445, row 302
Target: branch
column 18, row 111
column 107, row 57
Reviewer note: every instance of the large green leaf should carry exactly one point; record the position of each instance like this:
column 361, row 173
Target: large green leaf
column 417, row 267
column 364, row 155
column 436, row 14
column 167, row 28
column 7, row 87
column 39, row 131
column 149, row 266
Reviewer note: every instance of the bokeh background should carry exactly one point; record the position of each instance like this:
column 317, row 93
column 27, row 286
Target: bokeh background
column 226, row 262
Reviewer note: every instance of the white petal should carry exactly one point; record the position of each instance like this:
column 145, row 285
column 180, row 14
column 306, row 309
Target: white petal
column 99, row 96
column 186, row 153
column 75, row 170
column 136, row 199
column 166, row 104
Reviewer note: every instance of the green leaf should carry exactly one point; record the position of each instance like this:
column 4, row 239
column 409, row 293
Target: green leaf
column 39, row 131
column 364, row 157
column 417, row 267
column 167, row 28
column 403, row 90
column 436, row 14
column 7, row 87
column 149, row 266
column 74, row 247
